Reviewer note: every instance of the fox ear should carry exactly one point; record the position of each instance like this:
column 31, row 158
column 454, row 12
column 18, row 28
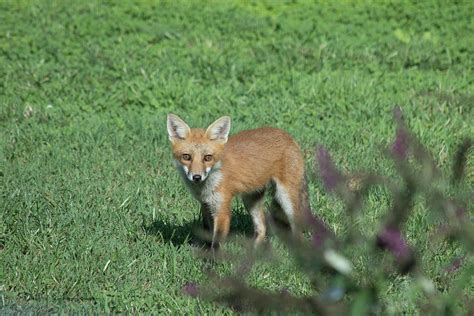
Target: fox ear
column 177, row 128
column 219, row 130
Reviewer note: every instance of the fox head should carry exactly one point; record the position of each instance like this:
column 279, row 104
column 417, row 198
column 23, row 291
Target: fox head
column 196, row 151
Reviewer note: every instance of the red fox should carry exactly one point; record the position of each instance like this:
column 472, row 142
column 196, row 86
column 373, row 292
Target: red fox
column 216, row 167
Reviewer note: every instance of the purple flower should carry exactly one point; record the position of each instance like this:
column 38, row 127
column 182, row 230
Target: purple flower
column 191, row 289
column 391, row 239
column 320, row 232
column 401, row 143
column 397, row 114
column 455, row 265
column 330, row 175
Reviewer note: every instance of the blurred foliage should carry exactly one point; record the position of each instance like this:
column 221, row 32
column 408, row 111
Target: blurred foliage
column 339, row 285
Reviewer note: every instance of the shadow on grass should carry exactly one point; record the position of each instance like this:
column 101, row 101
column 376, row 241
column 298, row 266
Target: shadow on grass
column 193, row 233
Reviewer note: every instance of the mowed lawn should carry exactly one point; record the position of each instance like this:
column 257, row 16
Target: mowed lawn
column 93, row 216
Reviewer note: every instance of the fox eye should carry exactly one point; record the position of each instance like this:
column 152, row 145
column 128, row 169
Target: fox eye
column 186, row 157
column 207, row 157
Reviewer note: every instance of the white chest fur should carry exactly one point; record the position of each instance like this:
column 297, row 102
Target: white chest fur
column 205, row 192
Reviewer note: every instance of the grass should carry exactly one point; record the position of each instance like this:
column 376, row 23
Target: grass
column 93, row 217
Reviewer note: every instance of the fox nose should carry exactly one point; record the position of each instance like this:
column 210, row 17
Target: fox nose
column 197, row 178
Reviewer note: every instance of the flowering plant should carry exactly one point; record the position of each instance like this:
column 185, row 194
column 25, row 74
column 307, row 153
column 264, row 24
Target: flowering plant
column 325, row 258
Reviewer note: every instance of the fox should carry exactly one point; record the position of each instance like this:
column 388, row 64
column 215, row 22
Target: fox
column 216, row 168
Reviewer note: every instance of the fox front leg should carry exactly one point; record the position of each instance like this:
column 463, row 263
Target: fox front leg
column 207, row 222
column 221, row 224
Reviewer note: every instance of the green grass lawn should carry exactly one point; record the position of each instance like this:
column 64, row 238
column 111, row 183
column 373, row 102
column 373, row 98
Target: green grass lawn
column 93, row 216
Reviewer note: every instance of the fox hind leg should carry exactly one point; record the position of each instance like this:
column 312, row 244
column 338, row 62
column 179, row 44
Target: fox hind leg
column 278, row 215
column 254, row 204
column 287, row 198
